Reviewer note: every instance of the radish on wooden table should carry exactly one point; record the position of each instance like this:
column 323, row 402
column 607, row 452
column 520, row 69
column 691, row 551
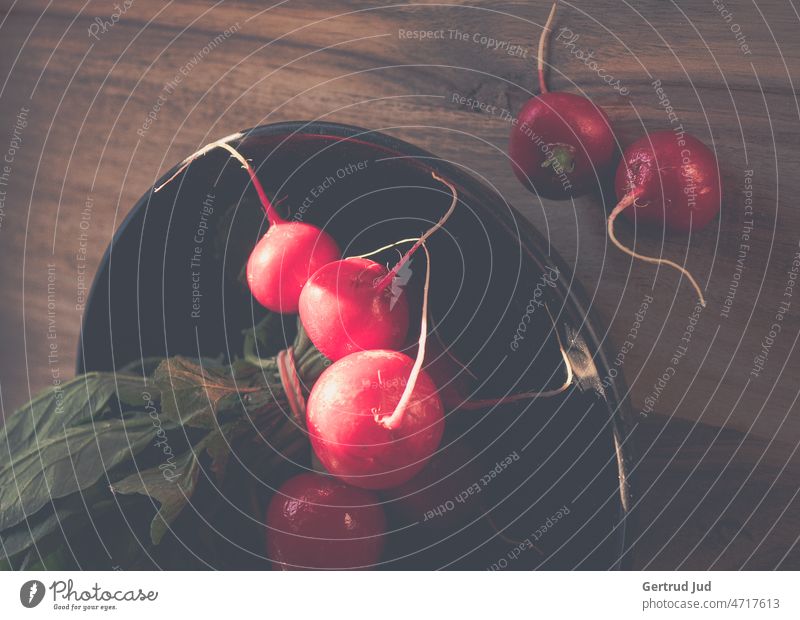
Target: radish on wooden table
column 351, row 304
column 287, row 255
column 561, row 143
column 671, row 181
column 318, row 522
column 374, row 418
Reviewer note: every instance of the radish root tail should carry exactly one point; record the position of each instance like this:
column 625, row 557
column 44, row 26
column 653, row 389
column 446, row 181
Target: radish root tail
column 386, row 280
column 626, row 202
column 491, row 402
column 272, row 214
column 543, row 44
column 509, row 539
column 199, row 153
column 387, row 247
column 393, row 421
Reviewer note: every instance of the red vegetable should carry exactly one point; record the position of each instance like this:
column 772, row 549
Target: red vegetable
column 344, row 309
column 672, row 181
column 374, row 417
column 353, row 423
column 289, row 252
column 445, row 495
column 350, row 305
column 283, row 260
column 561, row 143
column 675, row 185
column 317, row 522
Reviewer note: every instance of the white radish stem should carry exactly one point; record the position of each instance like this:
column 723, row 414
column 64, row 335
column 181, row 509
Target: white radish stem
column 543, row 42
column 208, row 147
column 626, row 202
column 272, row 214
column 490, row 402
column 386, row 280
column 387, row 247
column 395, row 419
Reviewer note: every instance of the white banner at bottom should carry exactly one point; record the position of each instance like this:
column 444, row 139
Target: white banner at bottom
column 389, row 595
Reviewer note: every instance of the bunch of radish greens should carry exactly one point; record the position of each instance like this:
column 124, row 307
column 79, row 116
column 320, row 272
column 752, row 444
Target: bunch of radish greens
column 168, row 463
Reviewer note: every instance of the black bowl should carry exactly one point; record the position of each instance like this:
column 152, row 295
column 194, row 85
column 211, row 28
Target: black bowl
column 170, row 283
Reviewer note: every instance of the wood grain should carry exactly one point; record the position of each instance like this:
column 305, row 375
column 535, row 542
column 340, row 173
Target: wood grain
column 348, row 62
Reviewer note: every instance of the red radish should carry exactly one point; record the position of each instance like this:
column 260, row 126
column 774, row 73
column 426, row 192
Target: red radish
column 318, row 522
column 560, row 142
column 675, row 178
column 374, row 417
column 283, row 260
column 444, row 495
column 350, row 419
column 287, row 255
column 344, row 310
column 353, row 305
column 671, row 180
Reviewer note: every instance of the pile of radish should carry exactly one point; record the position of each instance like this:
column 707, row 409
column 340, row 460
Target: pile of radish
column 376, row 415
column 562, row 144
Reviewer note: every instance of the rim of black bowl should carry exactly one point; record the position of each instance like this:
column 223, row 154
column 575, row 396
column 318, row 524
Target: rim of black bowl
column 531, row 240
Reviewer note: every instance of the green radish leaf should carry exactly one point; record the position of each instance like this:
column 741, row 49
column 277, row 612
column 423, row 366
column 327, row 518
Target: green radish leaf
column 59, row 464
column 38, row 531
column 172, row 492
column 267, row 337
column 194, row 395
column 172, row 487
column 79, row 400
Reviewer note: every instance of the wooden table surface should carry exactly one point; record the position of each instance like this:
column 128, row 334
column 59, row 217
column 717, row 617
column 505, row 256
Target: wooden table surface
column 719, row 470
